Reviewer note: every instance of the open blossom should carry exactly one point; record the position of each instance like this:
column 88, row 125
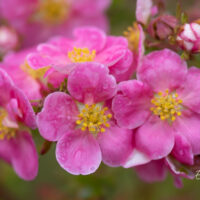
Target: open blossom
column 31, row 81
column 189, row 37
column 164, row 106
column 82, row 123
column 89, row 45
column 16, row 117
column 39, row 19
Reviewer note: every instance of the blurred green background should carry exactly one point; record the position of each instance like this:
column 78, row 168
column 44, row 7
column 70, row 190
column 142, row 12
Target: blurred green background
column 53, row 183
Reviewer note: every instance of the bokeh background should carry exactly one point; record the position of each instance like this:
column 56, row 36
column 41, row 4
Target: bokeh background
column 53, row 183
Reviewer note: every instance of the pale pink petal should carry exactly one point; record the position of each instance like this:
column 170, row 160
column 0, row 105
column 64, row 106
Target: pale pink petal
column 59, row 114
column 24, row 157
column 156, row 170
column 116, row 145
column 163, row 70
column 131, row 106
column 190, row 91
column 90, row 37
column 182, row 150
column 94, row 83
column 78, row 152
column 143, row 10
column 155, row 138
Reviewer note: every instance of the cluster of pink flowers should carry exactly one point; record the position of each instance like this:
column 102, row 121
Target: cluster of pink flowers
column 88, row 101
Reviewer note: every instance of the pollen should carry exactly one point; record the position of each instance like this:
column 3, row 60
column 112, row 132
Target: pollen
column 5, row 132
column 81, row 55
column 132, row 34
column 34, row 73
column 52, row 11
column 94, row 118
column 166, row 105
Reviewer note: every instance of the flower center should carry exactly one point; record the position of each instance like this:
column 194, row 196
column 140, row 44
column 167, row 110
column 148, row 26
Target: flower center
column 166, row 105
column 5, row 132
column 81, row 55
column 34, row 73
column 133, row 35
column 94, row 118
column 52, row 11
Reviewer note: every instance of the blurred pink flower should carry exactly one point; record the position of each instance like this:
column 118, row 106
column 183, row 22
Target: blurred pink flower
column 37, row 20
column 16, row 116
column 89, row 45
column 31, row 81
column 163, row 106
column 189, row 37
column 82, row 124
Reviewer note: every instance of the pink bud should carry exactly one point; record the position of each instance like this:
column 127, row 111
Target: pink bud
column 162, row 26
column 189, row 37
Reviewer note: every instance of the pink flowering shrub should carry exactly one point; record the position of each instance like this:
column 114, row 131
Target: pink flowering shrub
column 16, row 117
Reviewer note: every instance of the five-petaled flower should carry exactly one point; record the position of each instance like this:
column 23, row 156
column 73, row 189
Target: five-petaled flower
column 89, row 45
column 163, row 106
column 82, row 122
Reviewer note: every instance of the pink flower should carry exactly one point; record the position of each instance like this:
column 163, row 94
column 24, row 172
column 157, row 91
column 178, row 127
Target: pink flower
column 82, row 124
column 39, row 20
column 164, row 106
column 189, row 37
column 89, row 45
column 16, row 115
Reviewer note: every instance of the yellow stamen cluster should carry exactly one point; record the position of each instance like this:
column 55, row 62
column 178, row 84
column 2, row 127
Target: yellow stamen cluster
column 52, row 11
column 34, row 73
column 133, row 35
column 94, row 118
column 5, row 132
column 166, row 105
column 81, row 55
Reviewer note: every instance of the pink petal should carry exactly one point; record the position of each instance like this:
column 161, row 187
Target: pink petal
column 36, row 60
column 131, row 106
column 94, row 83
column 123, row 69
column 111, row 55
column 156, row 170
column 155, row 138
column 90, row 37
column 189, row 126
column 78, row 153
column 190, row 91
column 59, row 114
column 24, row 156
column 116, row 145
column 182, row 150
column 163, row 70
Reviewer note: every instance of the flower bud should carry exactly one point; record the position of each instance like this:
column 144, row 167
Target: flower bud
column 189, row 37
column 162, row 26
